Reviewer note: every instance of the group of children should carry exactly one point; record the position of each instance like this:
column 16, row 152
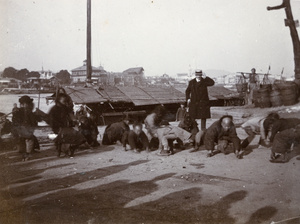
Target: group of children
column 72, row 130
column 280, row 134
column 62, row 121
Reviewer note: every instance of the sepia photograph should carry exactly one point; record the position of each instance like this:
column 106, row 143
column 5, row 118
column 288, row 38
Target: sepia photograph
column 149, row 112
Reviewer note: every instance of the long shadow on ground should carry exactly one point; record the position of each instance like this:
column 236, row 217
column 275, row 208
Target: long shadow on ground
column 107, row 204
column 66, row 182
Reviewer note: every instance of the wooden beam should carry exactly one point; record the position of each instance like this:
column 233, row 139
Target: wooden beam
column 289, row 21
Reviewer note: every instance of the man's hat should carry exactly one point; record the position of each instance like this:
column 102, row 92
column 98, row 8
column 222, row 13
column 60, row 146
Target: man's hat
column 25, row 99
column 198, row 73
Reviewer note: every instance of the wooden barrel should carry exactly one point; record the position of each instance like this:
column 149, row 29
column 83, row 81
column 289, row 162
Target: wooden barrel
column 276, row 85
column 275, row 98
column 288, row 99
column 264, row 98
column 266, row 86
column 288, row 91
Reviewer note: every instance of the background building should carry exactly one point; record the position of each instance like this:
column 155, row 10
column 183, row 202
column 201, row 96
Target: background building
column 134, row 76
column 99, row 75
column 46, row 74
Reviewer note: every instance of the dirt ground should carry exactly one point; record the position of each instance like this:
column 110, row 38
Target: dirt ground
column 109, row 185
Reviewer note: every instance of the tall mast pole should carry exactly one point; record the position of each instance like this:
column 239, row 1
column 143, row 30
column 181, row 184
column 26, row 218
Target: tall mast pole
column 88, row 44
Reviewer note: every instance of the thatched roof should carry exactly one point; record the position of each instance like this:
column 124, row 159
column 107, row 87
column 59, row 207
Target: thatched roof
column 142, row 95
column 138, row 96
column 113, row 94
column 165, row 95
column 83, row 95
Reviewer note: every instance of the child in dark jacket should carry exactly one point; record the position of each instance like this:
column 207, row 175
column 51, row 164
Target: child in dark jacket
column 189, row 125
column 62, row 120
column 221, row 133
column 181, row 112
column 24, row 123
column 281, row 125
column 115, row 131
column 283, row 141
column 88, row 128
column 136, row 138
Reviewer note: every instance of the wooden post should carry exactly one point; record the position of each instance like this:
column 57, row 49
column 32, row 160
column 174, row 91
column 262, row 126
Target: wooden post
column 289, row 21
column 88, row 44
column 39, row 96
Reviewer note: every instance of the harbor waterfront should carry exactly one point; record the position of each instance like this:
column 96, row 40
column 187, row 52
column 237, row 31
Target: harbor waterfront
column 7, row 102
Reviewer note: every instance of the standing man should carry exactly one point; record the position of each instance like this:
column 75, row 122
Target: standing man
column 253, row 83
column 197, row 97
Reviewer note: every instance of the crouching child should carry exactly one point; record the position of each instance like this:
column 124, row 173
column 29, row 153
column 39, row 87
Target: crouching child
column 220, row 135
column 88, row 128
column 167, row 133
column 136, row 139
column 191, row 126
column 283, row 142
column 255, row 126
column 115, row 131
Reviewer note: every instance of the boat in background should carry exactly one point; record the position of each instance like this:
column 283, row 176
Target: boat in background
column 26, row 91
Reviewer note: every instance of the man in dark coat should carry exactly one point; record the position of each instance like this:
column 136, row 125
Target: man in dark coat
column 222, row 132
column 197, row 97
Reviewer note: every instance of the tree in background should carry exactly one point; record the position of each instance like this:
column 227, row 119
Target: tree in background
column 9, row 72
column 21, row 74
column 64, row 77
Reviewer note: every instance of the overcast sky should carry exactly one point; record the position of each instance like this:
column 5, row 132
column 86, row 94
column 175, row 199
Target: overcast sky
column 163, row 36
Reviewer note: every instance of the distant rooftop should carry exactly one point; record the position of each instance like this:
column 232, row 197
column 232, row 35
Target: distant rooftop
column 136, row 70
column 83, row 68
column 10, row 79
